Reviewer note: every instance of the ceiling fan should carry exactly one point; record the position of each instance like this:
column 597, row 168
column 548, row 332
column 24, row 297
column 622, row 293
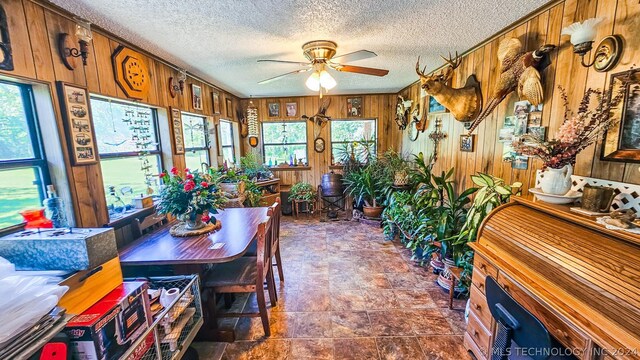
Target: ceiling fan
column 321, row 55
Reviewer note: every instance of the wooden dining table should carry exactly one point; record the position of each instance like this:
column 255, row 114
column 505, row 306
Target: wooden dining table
column 188, row 255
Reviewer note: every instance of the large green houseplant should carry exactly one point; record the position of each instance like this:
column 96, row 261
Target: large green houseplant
column 369, row 185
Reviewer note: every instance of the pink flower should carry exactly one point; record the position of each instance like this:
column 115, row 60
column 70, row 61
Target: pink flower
column 189, row 176
column 189, row 185
column 204, row 184
column 206, row 218
column 186, row 170
column 174, row 171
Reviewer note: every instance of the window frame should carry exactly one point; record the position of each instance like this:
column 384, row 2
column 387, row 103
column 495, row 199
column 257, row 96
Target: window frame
column 306, row 138
column 39, row 160
column 233, row 140
column 375, row 140
column 207, row 142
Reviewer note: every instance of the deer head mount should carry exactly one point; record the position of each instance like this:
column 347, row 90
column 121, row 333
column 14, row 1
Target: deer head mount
column 464, row 103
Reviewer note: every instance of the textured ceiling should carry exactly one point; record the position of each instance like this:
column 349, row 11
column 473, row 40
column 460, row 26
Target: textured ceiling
column 220, row 40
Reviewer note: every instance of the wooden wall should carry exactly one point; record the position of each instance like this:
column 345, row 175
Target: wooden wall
column 376, row 106
column 621, row 17
column 34, row 31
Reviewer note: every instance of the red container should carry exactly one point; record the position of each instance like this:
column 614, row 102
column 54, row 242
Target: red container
column 35, row 219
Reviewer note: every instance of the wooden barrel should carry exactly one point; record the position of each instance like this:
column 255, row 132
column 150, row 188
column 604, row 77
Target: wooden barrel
column 332, row 184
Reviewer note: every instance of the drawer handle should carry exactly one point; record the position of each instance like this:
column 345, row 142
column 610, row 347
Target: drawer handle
column 481, row 286
column 565, row 334
column 476, row 334
column 478, row 307
column 506, row 288
column 483, row 267
column 90, row 273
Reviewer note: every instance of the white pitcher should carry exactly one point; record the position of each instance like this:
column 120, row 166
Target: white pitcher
column 557, row 181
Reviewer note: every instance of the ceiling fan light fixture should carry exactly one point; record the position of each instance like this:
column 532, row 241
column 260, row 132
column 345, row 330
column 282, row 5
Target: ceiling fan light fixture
column 313, row 82
column 326, row 80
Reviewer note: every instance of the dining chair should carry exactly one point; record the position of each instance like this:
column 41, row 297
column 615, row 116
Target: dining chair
column 245, row 275
column 276, row 210
column 150, row 223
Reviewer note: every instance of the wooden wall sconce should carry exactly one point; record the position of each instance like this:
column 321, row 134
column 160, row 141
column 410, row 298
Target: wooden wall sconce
column 6, row 57
column 608, row 51
column 176, row 84
column 66, row 47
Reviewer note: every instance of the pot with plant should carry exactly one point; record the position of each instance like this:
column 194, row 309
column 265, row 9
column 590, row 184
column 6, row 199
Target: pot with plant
column 303, row 192
column 232, row 182
column 369, row 185
column 400, row 167
column 253, row 169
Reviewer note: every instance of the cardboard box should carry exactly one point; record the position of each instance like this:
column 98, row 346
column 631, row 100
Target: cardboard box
column 108, row 329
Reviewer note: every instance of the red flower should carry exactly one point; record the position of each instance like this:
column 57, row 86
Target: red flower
column 204, row 184
column 162, row 174
column 186, row 170
column 206, row 218
column 189, row 185
column 174, row 171
column 189, row 176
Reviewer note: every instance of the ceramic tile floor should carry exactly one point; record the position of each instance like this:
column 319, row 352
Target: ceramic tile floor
column 348, row 294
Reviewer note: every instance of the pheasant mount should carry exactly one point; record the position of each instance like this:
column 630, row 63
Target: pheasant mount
column 464, row 103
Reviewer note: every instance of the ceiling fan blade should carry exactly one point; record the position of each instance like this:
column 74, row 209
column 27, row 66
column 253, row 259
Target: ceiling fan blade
column 286, row 62
column 283, row 75
column 360, row 70
column 355, row 56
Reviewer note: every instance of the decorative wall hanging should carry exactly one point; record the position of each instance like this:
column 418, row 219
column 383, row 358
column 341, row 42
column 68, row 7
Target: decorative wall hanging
column 131, row 73
column 519, row 71
column 291, row 108
column 464, row 103
column 622, row 141
column 467, row 143
column 177, row 137
column 402, row 112
column 176, row 83
column 196, row 97
column 229, row 108
column 6, row 56
column 320, row 119
column 252, row 124
column 216, row 102
column 76, row 114
column 608, row 51
column 318, row 145
column 67, row 49
column 274, row 109
column 242, row 120
column 354, row 107
column 437, row 136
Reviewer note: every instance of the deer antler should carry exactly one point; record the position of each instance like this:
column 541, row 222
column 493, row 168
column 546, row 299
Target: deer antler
column 418, row 71
column 453, row 64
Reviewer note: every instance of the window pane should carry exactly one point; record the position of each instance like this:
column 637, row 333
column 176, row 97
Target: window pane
column 15, row 142
column 226, row 132
column 18, row 191
column 195, row 158
column 291, row 132
column 228, row 155
column 122, row 127
column 193, row 128
column 279, row 154
column 128, row 176
column 352, row 130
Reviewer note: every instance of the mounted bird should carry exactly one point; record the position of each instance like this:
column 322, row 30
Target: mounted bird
column 519, row 71
column 320, row 118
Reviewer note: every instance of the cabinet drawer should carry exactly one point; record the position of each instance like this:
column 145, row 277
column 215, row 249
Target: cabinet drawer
column 484, row 267
column 478, row 305
column 88, row 286
column 478, row 279
column 559, row 329
column 479, row 334
column 472, row 348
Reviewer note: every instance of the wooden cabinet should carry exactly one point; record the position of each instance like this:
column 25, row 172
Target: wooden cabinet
column 270, row 191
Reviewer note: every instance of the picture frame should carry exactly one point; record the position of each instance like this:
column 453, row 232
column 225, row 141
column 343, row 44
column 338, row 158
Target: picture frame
column 78, row 123
column 216, row 102
column 354, row 106
column 538, row 132
column 467, row 143
column 505, row 135
column 622, row 141
column 319, row 145
column 291, row 108
column 273, row 109
column 196, row 96
column 177, row 137
column 435, row 107
column 521, row 107
column 521, row 125
column 229, row 106
column 520, row 162
column 535, row 118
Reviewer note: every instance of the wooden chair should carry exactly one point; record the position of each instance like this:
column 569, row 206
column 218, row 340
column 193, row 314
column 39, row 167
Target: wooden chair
column 245, row 275
column 150, row 223
column 276, row 213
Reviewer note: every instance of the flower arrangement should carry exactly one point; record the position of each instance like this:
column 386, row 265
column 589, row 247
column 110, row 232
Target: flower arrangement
column 577, row 132
column 191, row 199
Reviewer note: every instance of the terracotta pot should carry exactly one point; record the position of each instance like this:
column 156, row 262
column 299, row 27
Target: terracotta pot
column 372, row 211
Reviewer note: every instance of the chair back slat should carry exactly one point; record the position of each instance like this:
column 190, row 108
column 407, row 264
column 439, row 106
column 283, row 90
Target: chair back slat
column 275, row 213
column 263, row 250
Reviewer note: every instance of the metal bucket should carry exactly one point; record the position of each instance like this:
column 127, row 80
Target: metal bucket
column 332, row 184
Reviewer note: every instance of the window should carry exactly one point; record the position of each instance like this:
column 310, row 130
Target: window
column 127, row 138
column 284, row 142
column 196, row 141
column 344, row 132
column 23, row 167
column 226, row 142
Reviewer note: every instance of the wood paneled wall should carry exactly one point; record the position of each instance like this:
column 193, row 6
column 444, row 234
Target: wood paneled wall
column 34, row 31
column 376, row 106
column 621, row 17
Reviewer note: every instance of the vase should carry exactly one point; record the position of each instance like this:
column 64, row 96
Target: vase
column 556, row 181
column 193, row 222
column 400, row 178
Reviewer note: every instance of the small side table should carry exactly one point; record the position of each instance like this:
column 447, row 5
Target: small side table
column 296, row 207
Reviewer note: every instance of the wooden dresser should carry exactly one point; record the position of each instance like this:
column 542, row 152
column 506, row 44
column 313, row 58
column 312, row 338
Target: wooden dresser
column 579, row 279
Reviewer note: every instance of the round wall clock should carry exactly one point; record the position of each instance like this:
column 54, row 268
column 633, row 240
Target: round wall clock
column 131, row 72
column 318, row 145
column 413, row 130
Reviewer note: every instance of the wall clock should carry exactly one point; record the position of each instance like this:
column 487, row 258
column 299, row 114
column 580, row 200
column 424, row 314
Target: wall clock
column 131, row 72
column 318, row 145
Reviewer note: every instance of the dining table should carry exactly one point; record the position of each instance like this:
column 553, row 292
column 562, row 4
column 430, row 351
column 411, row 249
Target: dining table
column 191, row 254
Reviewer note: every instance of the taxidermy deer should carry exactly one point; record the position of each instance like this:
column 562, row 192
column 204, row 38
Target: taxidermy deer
column 520, row 71
column 464, row 103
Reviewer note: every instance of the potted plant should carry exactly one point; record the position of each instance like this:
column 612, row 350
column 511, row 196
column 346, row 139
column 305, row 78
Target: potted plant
column 399, row 165
column 190, row 199
column 369, row 185
column 232, row 182
column 251, row 167
column 303, row 192
column 253, row 194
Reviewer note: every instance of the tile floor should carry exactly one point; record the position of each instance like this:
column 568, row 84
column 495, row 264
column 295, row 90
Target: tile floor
column 348, row 294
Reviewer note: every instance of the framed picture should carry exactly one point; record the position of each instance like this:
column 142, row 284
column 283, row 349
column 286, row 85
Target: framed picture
column 521, row 125
column 510, row 121
column 292, row 109
column 274, row 109
column 177, row 137
column 506, row 135
column 78, row 125
column 520, row 162
column 196, row 96
column 354, row 107
column 319, row 145
column 508, row 153
column 521, row 107
column 435, row 107
column 467, row 143
column 622, row 141
column 229, row 108
column 216, row 102
column 538, row 132
column 535, row 118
